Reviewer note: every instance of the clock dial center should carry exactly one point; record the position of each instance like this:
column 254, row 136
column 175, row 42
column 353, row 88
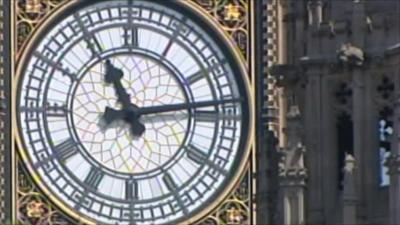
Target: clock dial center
column 106, row 114
column 129, row 112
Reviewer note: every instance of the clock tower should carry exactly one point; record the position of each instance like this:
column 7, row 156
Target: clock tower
column 132, row 112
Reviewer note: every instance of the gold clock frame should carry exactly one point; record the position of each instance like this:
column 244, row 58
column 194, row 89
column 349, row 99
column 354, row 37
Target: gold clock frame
column 247, row 68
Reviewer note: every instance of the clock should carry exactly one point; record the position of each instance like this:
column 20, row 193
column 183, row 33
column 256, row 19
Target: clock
column 133, row 112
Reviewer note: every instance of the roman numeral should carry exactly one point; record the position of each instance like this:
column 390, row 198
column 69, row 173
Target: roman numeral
column 169, row 182
column 131, row 189
column 195, row 154
column 131, row 36
column 199, row 157
column 196, row 77
column 66, row 149
column 135, row 36
column 56, row 110
column 94, row 178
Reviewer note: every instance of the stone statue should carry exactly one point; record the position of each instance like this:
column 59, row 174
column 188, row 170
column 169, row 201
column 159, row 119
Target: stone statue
column 292, row 160
column 292, row 171
column 350, row 55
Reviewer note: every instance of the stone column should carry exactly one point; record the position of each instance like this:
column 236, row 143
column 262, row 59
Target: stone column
column 292, row 172
column 349, row 197
column 355, row 60
column 314, row 12
column 358, row 134
column 313, row 131
column 312, row 117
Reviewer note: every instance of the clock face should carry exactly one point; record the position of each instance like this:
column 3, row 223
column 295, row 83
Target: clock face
column 130, row 112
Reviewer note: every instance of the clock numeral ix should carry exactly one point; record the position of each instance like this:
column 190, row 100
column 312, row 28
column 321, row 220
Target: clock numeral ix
column 56, row 110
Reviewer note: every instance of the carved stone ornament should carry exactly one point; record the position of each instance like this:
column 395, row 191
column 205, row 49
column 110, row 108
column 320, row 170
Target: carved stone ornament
column 349, row 170
column 349, row 195
column 286, row 75
column 292, row 157
column 351, row 55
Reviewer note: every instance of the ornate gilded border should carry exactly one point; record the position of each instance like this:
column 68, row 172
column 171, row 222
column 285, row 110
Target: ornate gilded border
column 237, row 209
column 28, row 15
column 232, row 16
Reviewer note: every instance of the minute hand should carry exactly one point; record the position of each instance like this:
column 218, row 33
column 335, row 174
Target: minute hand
column 182, row 106
column 113, row 76
column 123, row 96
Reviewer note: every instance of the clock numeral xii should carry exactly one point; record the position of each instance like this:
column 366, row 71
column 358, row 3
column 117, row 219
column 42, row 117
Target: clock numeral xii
column 131, row 36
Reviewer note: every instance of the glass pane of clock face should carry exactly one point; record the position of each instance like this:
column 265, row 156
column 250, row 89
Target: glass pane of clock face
column 131, row 113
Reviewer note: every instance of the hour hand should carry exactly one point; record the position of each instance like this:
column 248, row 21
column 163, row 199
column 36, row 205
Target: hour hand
column 112, row 73
column 137, row 128
column 111, row 115
column 113, row 76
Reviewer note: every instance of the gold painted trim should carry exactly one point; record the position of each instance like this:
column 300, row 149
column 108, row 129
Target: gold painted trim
column 3, row 150
column 244, row 69
column 252, row 64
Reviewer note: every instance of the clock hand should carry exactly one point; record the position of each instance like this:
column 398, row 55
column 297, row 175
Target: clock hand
column 110, row 115
column 152, row 118
column 113, row 76
column 129, row 116
column 183, row 106
column 128, row 113
column 137, row 128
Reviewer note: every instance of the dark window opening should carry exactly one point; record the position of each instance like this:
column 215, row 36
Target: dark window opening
column 344, row 128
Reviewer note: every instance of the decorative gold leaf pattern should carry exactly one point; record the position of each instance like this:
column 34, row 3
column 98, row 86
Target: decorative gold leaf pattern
column 33, row 206
column 29, row 14
column 233, row 17
column 236, row 210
